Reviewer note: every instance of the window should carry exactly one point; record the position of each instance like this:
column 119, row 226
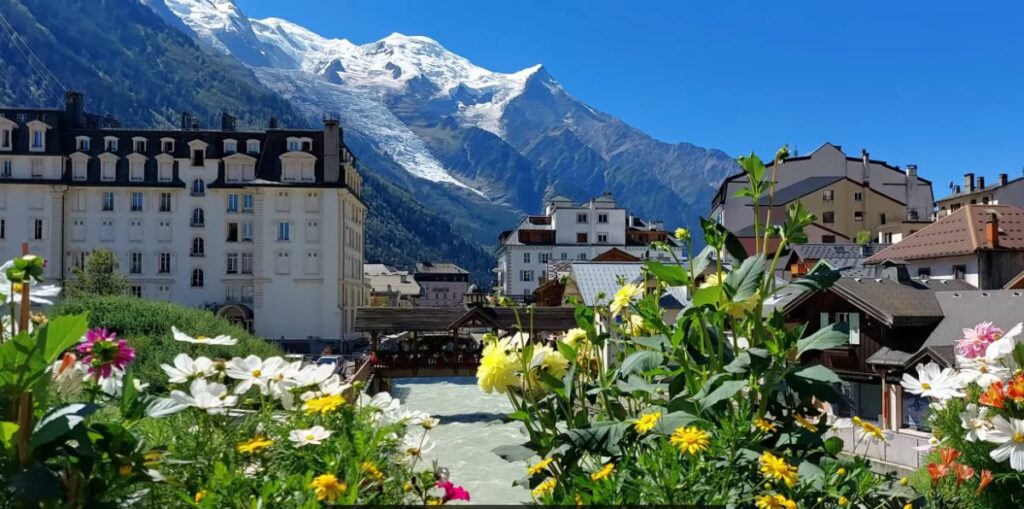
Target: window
column 307, row 146
column 79, row 169
column 602, row 218
column 984, row 200
column 7, row 168
column 232, row 232
column 108, row 201
column 136, row 201
column 78, row 200
column 526, row 276
column 198, row 248
column 78, row 230
column 37, row 229
column 232, row 202
column 107, row 230
column 852, row 321
column 312, row 262
column 38, row 140
column 960, row 272
column 246, row 292
column 247, row 231
column 284, row 203
column 284, row 264
column 163, row 232
column 233, row 173
column 828, row 217
column 858, row 196
column 111, row 144
column 108, row 170
column 828, row 195
column 37, row 168
column 139, row 146
column 246, row 203
column 545, row 257
column 312, row 230
column 581, row 217
column 197, row 278
column 881, row 218
column 293, row 145
column 246, row 263
column 526, row 257
column 135, row 230
column 232, row 265
column 230, row 146
column 198, row 217
column 602, row 238
column 565, row 256
column 163, row 292
column 135, row 263
column 313, row 202
column 164, row 263
column 198, row 157
column 136, row 170
column 828, row 239
column 5, row 139
column 83, row 144
column 167, row 146
column 924, row 272
column 165, row 202
column 858, row 215
column 198, row 187
column 284, row 231
column 137, row 291
column 581, row 256
column 581, row 238
column 3, row 228
column 252, row 147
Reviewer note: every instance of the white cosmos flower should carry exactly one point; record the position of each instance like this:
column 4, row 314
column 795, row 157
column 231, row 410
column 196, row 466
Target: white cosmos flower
column 330, row 387
column 933, row 382
column 976, row 421
column 930, row 445
column 311, row 436
column 1009, row 433
column 385, row 407
column 313, row 374
column 38, row 292
column 411, row 417
column 1002, row 348
column 254, row 371
column 980, row 370
column 113, row 385
column 186, row 368
column 212, row 397
column 415, row 445
column 223, row 339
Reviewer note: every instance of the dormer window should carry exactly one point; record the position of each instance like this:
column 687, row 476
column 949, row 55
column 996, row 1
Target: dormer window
column 38, row 140
column 167, row 145
column 230, row 146
column 110, row 143
column 252, row 147
column 108, row 167
column 198, row 157
column 79, row 166
column 139, row 145
column 83, row 143
column 5, row 138
column 136, row 168
column 293, row 144
column 307, row 146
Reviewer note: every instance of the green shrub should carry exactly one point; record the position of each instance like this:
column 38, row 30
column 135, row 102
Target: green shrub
column 146, row 324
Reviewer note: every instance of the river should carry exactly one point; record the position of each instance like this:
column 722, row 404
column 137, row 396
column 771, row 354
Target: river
column 472, row 425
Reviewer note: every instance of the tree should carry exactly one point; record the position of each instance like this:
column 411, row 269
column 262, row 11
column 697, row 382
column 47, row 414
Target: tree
column 98, row 276
column 863, row 237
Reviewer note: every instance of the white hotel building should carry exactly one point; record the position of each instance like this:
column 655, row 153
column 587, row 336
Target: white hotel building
column 571, row 231
column 263, row 227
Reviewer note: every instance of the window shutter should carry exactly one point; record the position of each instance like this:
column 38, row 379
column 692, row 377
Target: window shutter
column 854, row 328
column 824, row 320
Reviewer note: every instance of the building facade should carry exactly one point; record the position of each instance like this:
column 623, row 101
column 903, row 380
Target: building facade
column 974, row 192
column 391, row 287
column 264, row 227
column 441, row 284
column 572, row 231
column 859, row 193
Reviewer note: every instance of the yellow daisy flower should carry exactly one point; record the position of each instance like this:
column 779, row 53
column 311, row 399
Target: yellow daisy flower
column 604, row 473
column 646, row 422
column 541, row 465
column 328, row 487
column 774, row 502
column 324, row 404
column 624, row 296
column 765, row 425
column 690, row 440
column 255, row 444
column 806, row 423
column 545, row 487
column 774, row 467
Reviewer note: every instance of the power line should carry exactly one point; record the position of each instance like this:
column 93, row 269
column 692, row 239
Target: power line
column 34, row 61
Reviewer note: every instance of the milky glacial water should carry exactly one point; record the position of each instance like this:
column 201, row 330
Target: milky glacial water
column 472, row 425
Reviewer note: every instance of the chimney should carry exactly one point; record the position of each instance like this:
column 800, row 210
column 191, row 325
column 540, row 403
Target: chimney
column 981, row 182
column 865, row 174
column 992, row 231
column 911, row 170
column 1002, row 179
column 74, row 109
column 968, row 182
column 895, row 271
column 332, row 149
column 272, row 123
column 195, row 123
column 227, row 122
column 186, row 120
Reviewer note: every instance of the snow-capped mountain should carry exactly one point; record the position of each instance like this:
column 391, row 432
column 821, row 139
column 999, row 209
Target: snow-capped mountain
column 495, row 142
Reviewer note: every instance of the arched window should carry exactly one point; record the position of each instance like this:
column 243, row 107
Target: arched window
column 198, row 247
column 197, row 278
column 198, row 187
column 198, row 218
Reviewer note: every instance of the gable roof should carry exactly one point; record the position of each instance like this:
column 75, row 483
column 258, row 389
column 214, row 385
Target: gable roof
column 959, row 233
column 799, row 189
column 595, row 278
column 847, row 258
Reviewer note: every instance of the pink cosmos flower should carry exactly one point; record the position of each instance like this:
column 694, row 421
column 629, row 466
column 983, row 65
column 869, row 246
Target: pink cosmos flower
column 453, row 492
column 103, row 352
column 976, row 340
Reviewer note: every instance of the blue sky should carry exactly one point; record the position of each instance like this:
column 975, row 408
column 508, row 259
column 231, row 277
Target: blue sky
column 939, row 85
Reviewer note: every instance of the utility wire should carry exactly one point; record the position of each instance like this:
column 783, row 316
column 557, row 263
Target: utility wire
column 34, row 61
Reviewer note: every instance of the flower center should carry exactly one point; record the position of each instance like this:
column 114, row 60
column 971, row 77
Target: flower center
column 983, row 369
column 1018, row 438
column 201, row 338
column 257, row 373
column 926, row 386
column 310, row 437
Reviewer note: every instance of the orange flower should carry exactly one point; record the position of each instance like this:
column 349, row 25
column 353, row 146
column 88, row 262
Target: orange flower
column 948, row 456
column 993, row 396
column 986, row 477
column 1015, row 390
column 937, row 471
column 963, row 473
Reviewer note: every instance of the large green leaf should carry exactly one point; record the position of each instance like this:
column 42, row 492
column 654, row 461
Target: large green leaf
column 59, row 421
column 637, row 362
column 514, row 452
column 828, row 337
column 25, row 357
column 726, row 390
column 818, row 373
column 745, row 280
column 672, row 420
column 62, row 333
column 672, row 275
column 600, row 437
column 7, row 432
